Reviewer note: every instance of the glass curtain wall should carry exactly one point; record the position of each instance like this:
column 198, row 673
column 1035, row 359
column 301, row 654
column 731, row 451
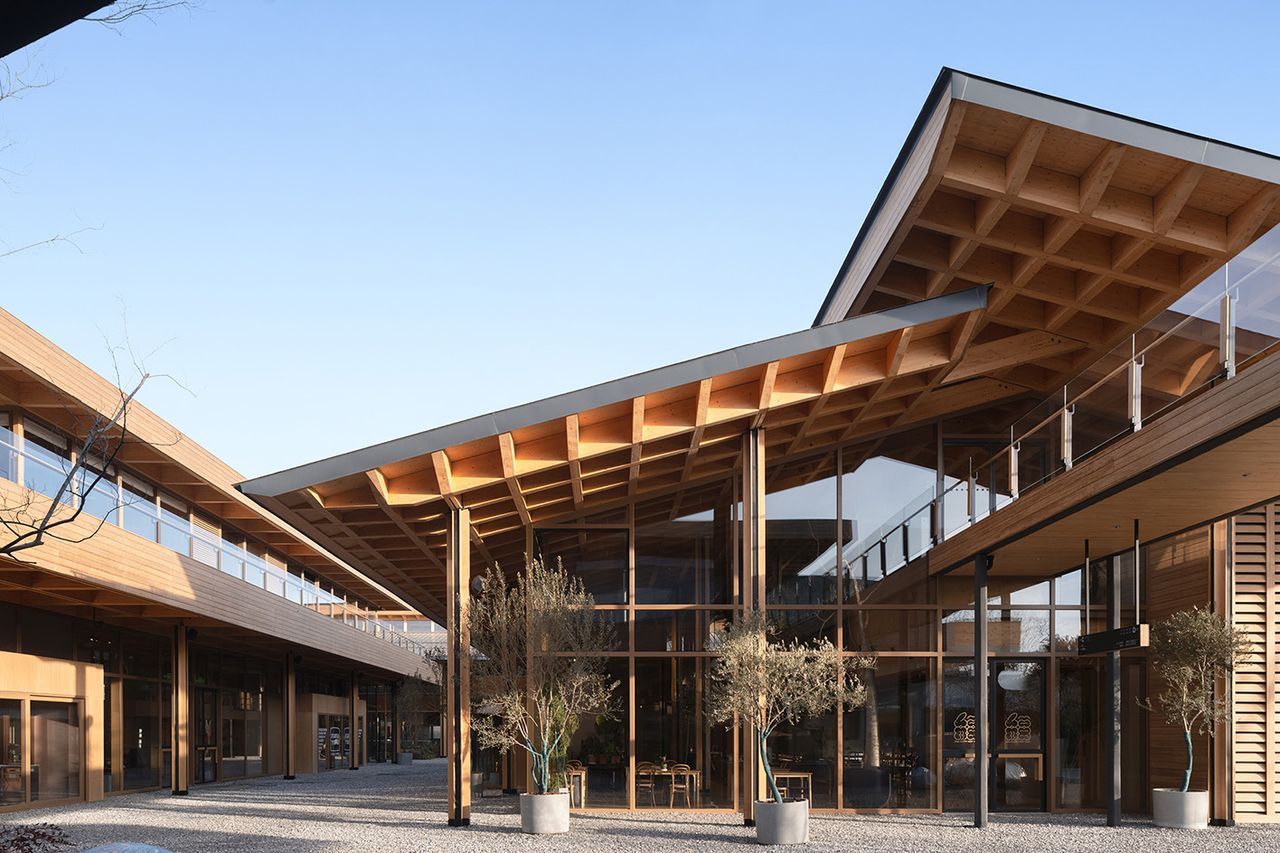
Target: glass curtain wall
column 840, row 565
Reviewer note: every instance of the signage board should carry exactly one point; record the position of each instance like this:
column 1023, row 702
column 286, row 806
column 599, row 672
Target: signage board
column 1118, row 639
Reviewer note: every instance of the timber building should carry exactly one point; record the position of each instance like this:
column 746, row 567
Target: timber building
column 1037, row 402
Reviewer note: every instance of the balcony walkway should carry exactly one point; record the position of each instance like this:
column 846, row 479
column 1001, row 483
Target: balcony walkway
column 388, row 808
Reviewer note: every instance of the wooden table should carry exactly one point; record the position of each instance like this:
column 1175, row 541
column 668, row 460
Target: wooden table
column 696, row 781
column 807, row 778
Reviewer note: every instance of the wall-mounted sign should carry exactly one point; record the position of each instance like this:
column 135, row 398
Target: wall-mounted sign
column 1130, row 637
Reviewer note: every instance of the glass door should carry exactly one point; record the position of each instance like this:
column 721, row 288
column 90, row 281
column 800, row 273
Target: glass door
column 205, row 728
column 1017, row 735
column 1016, row 740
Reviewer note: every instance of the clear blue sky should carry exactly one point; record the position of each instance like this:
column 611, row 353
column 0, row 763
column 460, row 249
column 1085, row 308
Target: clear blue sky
column 356, row 221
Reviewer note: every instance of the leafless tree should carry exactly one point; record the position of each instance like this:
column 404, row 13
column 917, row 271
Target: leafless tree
column 122, row 11
column 31, row 518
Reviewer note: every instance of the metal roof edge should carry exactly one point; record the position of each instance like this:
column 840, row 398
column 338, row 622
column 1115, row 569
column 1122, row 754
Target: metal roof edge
column 615, row 391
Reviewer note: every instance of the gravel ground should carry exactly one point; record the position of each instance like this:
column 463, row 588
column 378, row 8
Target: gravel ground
column 390, row 809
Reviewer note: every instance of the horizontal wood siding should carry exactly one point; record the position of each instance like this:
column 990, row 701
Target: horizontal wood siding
column 115, row 559
column 1178, row 578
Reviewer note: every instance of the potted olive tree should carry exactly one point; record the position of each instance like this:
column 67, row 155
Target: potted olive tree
column 763, row 682
column 538, row 666
column 1190, row 651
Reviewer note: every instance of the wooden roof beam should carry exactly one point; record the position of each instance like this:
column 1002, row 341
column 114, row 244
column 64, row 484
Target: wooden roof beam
column 575, row 454
column 507, row 447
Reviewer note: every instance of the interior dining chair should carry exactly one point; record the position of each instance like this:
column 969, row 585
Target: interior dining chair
column 644, row 780
column 681, row 783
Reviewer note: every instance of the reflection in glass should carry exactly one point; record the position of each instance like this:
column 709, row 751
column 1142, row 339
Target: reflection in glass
column 804, row 756
column 889, row 630
column 671, row 730
column 889, row 743
column 140, row 731
column 56, row 750
column 600, row 745
column 598, row 557
column 686, row 561
column 804, row 626
column 11, row 784
column 801, row 560
column 1008, row 631
column 1080, row 762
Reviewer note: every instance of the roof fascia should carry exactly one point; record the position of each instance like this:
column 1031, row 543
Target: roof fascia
column 618, row 390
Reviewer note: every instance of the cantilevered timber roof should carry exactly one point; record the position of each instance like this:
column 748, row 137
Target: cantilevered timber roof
column 671, row 433
column 1087, row 223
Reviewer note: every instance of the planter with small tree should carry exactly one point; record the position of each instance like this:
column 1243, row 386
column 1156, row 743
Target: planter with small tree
column 538, row 667
column 1191, row 651
column 762, row 682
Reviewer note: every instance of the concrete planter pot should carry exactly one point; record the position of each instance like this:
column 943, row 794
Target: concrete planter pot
column 544, row 814
column 1180, row 809
column 404, row 758
column 782, row 823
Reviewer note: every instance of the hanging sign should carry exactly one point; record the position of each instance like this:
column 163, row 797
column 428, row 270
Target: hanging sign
column 1118, row 639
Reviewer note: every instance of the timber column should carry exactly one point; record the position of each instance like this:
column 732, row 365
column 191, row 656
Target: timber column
column 356, row 757
column 752, row 587
column 457, row 597
column 290, row 716
column 981, row 694
column 181, row 751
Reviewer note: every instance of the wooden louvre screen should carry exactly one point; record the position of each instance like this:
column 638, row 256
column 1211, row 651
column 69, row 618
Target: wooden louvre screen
column 1256, row 746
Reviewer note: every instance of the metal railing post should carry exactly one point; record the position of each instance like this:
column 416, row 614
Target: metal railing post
column 1227, row 335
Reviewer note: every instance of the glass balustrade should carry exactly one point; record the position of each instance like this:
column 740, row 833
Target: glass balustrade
column 44, row 472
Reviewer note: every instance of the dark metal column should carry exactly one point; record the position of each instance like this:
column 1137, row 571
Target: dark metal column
column 981, row 728
column 1113, row 698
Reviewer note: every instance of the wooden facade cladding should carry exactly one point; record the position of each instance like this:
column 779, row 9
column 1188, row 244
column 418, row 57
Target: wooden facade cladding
column 37, row 376
column 1255, row 739
column 121, row 574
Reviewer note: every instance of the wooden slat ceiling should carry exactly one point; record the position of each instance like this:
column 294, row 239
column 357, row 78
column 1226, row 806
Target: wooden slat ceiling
column 1084, row 239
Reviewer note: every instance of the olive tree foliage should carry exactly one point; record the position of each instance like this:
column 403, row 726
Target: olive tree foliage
column 764, row 682
column 1191, row 650
column 539, row 663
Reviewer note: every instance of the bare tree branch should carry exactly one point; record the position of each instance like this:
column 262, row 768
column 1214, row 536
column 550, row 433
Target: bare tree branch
column 123, row 11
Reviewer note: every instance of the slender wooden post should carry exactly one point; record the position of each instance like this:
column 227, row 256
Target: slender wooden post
column 290, row 717
column 982, row 727
column 753, row 598
column 1112, row 728
column 356, row 757
column 181, row 713
column 458, row 577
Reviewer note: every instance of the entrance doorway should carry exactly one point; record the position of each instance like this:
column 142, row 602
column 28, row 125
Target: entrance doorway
column 333, row 741
column 1016, row 739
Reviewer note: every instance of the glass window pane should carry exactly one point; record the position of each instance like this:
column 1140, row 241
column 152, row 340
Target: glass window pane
column 600, row 744
column 12, row 788
column 803, row 756
column 804, row 626
column 598, row 557
column 890, row 630
column 56, row 750
column 685, row 561
column 801, row 562
column 141, row 733
column 139, row 512
column 1007, row 631
column 889, row 742
column 676, row 630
